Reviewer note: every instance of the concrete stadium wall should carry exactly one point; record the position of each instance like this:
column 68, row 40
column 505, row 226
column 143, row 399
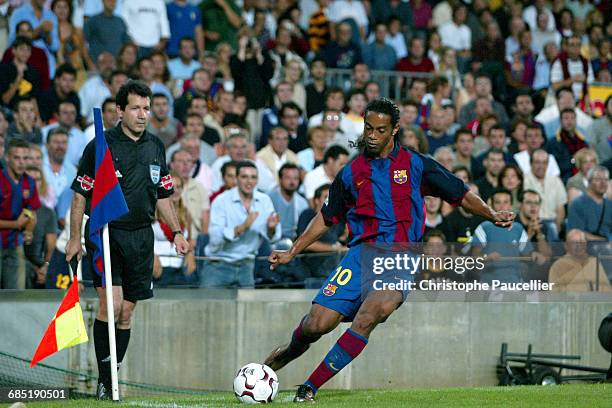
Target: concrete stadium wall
column 199, row 338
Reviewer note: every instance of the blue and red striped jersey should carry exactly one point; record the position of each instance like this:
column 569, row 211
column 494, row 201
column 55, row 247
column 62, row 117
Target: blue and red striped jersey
column 14, row 197
column 382, row 199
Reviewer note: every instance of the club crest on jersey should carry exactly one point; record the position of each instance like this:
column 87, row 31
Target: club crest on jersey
column 154, row 171
column 87, row 182
column 330, row 290
column 167, row 182
column 400, row 176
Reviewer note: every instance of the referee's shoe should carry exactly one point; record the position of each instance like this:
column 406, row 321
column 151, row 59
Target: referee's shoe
column 102, row 393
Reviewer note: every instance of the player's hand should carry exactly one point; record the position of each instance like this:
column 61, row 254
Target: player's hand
column 73, row 248
column 504, row 219
column 22, row 221
column 182, row 246
column 277, row 258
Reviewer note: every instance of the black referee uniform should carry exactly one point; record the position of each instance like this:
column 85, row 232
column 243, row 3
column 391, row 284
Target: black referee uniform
column 144, row 178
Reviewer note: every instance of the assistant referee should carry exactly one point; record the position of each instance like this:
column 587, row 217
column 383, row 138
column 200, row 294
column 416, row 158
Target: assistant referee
column 140, row 164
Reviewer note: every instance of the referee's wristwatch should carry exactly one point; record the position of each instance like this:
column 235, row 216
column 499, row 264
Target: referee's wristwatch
column 175, row 233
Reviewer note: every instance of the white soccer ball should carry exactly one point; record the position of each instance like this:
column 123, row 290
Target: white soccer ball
column 255, row 384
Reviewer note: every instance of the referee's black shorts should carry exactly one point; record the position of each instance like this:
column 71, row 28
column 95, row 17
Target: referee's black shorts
column 132, row 262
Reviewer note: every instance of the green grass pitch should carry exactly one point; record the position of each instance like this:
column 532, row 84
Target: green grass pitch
column 571, row 395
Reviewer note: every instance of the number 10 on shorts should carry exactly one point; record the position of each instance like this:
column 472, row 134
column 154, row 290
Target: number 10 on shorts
column 342, row 276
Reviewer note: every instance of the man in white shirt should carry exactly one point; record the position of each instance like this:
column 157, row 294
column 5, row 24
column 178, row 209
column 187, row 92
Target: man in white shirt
column 183, row 66
column 456, row 34
column 530, row 15
column 550, row 188
column 97, row 88
column 573, row 70
column 341, row 10
column 550, row 117
column 147, row 23
column 334, row 160
column 109, row 119
column 534, row 141
column 77, row 141
column 276, row 153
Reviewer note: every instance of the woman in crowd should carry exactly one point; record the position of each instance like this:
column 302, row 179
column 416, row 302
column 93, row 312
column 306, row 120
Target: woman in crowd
column 511, row 178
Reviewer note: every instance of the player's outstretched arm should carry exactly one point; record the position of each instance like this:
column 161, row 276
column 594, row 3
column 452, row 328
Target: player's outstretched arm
column 474, row 204
column 313, row 232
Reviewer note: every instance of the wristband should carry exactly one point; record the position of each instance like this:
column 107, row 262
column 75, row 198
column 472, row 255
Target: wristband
column 175, row 233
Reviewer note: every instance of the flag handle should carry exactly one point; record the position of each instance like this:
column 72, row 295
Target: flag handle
column 110, row 313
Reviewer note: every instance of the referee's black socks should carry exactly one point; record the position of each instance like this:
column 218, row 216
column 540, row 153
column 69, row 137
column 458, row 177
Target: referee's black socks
column 122, row 338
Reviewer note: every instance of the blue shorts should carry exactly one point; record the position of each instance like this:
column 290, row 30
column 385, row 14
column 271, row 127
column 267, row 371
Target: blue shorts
column 347, row 287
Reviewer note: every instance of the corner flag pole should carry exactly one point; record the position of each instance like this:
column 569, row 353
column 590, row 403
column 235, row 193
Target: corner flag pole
column 110, row 313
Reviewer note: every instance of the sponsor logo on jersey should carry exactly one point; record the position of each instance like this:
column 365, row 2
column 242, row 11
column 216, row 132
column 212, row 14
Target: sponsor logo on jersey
column 400, row 176
column 330, row 290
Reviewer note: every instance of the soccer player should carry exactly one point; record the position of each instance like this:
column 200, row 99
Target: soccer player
column 380, row 194
column 140, row 159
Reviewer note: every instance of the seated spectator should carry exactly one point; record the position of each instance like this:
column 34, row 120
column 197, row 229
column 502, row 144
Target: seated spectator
column 591, row 213
column 167, row 128
column 534, row 140
column 110, row 118
column 353, row 127
column 281, row 54
column 228, row 174
column 276, row 153
column 538, row 232
column 435, row 245
column 334, row 159
column 568, row 140
column 523, row 107
column 585, row 160
column 100, row 86
column 455, row 34
column 571, row 69
column 63, row 89
column 542, row 35
column 416, row 61
column 196, row 127
column 105, row 32
column 238, row 149
column 496, row 139
column 38, row 252
column 433, row 216
column 184, row 65
column 493, row 164
column 599, row 133
column 459, row 225
column 38, row 60
column 498, row 243
column 372, row 91
column 202, row 84
column 409, row 113
column 58, row 171
column 294, row 74
column 312, row 157
column 379, row 55
column 343, row 52
column 17, row 78
column 169, row 269
column 289, row 118
column 147, row 74
column 288, row 203
column 24, row 125
column 437, row 135
column 602, row 62
column 520, row 68
column 241, row 219
column 577, row 271
column 550, row 188
column 17, row 218
column 483, row 88
column 511, row 178
column 67, row 115
column 541, row 81
column 201, row 153
column 550, row 117
column 445, row 156
column 319, row 266
column 439, row 93
column 334, row 100
column 464, row 147
column 317, row 88
column 283, row 93
column 395, row 37
column 414, row 138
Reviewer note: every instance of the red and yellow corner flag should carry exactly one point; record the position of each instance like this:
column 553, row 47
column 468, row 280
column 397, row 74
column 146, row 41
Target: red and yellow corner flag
column 67, row 328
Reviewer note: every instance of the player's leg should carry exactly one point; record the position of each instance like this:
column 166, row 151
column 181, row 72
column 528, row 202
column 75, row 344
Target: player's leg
column 319, row 321
column 375, row 309
column 100, row 332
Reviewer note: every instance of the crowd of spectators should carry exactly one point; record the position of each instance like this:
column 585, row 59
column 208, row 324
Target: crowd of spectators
column 256, row 129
